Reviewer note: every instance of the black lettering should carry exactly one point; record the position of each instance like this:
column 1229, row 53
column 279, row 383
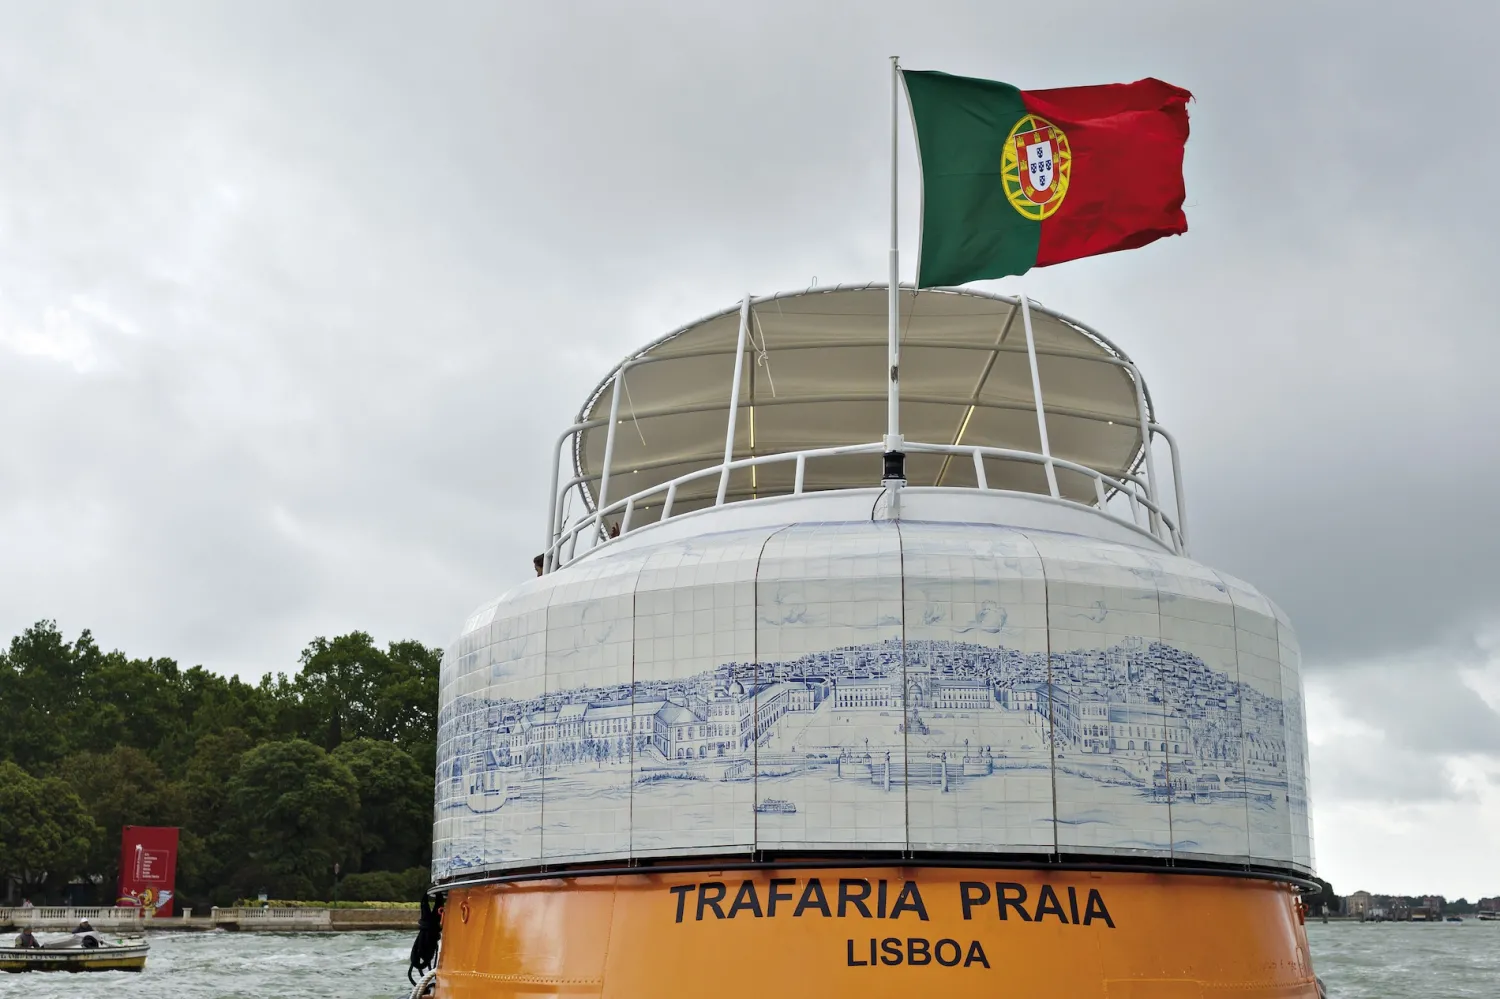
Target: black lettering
column 746, row 899
column 973, row 893
column 1003, row 900
column 774, row 895
column 890, row 951
column 976, row 953
column 855, row 899
column 1073, row 903
column 910, row 900
column 812, row 898
column 850, row 959
column 880, row 901
column 712, row 901
column 681, row 892
column 1096, row 907
column 958, row 953
column 872, row 950
column 1047, row 904
column 916, row 948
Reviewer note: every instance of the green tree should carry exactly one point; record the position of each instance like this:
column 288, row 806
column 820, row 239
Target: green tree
column 294, row 810
column 45, row 830
column 349, row 688
column 210, row 850
column 120, row 787
column 44, row 694
column 395, row 805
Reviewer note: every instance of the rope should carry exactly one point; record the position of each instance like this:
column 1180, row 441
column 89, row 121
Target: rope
column 631, row 403
column 424, row 949
column 425, row 985
column 762, row 355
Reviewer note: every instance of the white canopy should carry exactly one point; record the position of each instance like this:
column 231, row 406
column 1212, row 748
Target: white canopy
column 814, row 375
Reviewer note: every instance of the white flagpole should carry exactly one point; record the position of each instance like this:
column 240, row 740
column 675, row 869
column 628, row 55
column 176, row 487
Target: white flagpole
column 894, row 466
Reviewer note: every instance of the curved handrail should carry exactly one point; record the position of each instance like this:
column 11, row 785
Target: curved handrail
column 1159, row 524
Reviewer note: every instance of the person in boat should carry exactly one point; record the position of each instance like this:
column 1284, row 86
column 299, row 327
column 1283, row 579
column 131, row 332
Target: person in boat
column 26, row 940
column 83, row 927
column 536, row 563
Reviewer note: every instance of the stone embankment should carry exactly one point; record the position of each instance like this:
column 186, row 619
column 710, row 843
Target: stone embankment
column 131, row 920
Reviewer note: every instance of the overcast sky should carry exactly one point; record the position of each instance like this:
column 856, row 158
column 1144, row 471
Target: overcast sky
column 292, row 296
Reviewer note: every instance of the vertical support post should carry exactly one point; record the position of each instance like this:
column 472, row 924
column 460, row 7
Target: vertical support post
column 1036, row 395
column 609, row 442
column 734, row 399
column 1140, row 408
column 1182, row 531
column 555, row 508
column 554, row 505
column 893, row 466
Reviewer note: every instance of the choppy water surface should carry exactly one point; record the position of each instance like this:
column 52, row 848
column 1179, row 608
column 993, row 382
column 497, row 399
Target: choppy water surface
column 1356, row 961
column 1407, row 960
column 220, row 965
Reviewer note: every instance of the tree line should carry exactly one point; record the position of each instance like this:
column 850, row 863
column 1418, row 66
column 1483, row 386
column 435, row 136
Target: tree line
column 271, row 783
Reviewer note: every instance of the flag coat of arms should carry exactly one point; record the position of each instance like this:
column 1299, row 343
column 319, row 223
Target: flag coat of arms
column 1015, row 179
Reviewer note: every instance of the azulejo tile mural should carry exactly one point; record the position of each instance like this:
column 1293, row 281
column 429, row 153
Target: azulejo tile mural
column 934, row 687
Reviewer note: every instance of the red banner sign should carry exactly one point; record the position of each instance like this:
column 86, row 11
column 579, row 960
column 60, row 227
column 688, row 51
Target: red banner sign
column 148, row 868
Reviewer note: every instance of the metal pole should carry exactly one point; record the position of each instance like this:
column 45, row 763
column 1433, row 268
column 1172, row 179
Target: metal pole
column 1140, row 405
column 1036, row 395
column 734, row 400
column 609, row 439
column 1182, row 531
column 554, row 510
column 894, row 463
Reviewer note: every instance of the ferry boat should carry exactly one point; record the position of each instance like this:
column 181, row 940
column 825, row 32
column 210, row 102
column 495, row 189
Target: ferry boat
column 1031, row 746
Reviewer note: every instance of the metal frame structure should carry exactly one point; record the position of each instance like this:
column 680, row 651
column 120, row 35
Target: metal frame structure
column 1139, row 486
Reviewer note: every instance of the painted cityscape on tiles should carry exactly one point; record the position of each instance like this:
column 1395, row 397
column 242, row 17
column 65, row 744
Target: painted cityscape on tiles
column 1139, row 746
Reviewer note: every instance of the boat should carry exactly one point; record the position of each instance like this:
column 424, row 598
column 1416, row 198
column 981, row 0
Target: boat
column 1488, row 917
column 1004, row 575
column 1455, row 919
column 88, row 951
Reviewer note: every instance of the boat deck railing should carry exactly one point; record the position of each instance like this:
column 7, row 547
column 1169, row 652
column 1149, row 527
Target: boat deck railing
column 1125, row 500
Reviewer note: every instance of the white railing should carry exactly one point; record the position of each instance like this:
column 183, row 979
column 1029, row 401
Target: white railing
column 101, row 917
column 1146, row 516
column 273, row 915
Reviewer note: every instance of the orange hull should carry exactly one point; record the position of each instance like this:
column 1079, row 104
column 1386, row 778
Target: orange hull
column 874, row 933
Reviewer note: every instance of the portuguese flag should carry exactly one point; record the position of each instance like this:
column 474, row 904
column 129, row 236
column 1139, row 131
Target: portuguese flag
column 1015, row 179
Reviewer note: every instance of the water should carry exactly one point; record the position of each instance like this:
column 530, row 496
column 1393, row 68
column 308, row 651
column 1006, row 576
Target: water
column 1356, row 961
column 1407, row 960
column 221, row 965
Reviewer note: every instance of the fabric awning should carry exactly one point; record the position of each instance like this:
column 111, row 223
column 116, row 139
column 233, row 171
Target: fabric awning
column 814, row 375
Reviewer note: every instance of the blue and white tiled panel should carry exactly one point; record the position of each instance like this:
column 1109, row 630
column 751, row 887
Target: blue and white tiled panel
column 1106, row 697
column 1210, row 817
column 504, row 658
column 1263, row 708
column 978, row 763
column 693, row 778
column 784, row 689
column 584, row 785
column 829, row 610
column 1299, row 791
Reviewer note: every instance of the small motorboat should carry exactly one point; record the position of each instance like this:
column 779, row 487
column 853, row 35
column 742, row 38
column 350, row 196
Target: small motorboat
column 87, row 951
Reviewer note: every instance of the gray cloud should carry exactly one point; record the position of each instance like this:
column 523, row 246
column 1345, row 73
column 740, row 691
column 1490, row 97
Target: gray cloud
column 292, row 300
column 1381, row 776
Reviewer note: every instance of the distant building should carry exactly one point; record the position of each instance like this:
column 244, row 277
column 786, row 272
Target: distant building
column 1358, row 904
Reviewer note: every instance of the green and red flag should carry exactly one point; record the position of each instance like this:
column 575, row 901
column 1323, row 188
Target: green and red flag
column 1015, row 179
